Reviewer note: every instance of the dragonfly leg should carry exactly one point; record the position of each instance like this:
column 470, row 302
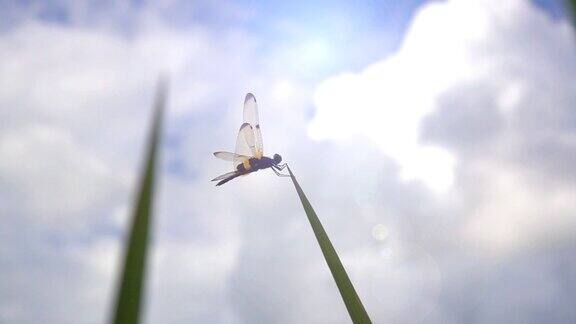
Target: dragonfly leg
column 278, row 173
column 281, row 166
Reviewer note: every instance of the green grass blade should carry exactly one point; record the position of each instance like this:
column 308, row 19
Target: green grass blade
column 351, row 300
column 572, row 8
column 129, row 293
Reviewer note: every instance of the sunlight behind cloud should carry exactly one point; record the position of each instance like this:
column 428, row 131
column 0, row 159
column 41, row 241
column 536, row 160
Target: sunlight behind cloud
column 314, row 53
column 283, row 89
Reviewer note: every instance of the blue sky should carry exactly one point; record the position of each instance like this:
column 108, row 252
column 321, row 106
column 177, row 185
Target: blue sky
column 435, row 140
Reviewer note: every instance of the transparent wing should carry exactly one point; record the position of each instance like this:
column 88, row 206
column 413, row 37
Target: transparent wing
column 244, row 144
column 224, row 176
column 229, row 156
column 258, row 142
column 251, row 117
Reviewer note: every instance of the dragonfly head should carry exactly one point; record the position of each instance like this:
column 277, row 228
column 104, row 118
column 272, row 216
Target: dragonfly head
column 277, row 158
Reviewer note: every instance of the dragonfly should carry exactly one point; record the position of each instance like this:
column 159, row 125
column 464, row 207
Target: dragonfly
column 249, row 153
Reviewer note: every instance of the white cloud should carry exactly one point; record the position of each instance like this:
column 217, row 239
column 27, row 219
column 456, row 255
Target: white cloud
column 518, row 212
column 446, row 45
column 59, row 179
column 75, row 104
column 387, row 100
column 414, row 106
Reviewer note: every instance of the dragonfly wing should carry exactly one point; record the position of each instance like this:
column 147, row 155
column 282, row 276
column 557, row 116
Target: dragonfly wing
column 225, row 175
column 245, row 146
column 228, row 178
column 258, row 142
column 251, row 117
column 229, row 156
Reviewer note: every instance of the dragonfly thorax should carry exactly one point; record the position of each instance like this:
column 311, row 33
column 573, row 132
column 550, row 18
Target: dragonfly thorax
column 254, row 164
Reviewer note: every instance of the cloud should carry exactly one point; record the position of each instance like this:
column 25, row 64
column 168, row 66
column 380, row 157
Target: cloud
column 490, row 87
column 483, row 95
column 76, row 103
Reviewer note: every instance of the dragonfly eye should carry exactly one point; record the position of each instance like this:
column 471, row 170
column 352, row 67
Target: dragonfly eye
column 277, row 158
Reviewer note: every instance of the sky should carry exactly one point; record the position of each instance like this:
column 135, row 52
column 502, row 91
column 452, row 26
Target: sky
column 436, row 141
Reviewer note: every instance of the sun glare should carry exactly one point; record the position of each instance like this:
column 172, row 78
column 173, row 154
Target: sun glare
column 314, row 53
